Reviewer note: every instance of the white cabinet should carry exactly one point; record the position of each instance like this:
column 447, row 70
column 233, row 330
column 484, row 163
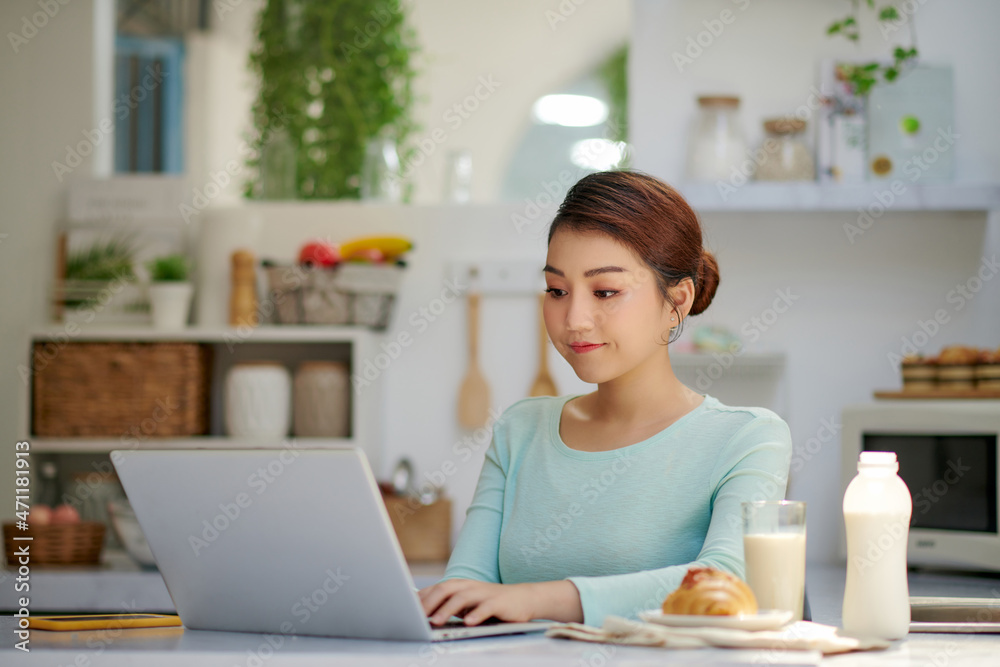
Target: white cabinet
column 287, row 344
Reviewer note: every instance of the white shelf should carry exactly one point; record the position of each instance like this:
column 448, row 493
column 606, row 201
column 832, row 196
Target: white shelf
column 812, row 196
column 104, row 445
column 270, row 333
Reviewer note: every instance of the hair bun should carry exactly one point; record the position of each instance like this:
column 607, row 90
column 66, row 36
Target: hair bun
column 707, row 283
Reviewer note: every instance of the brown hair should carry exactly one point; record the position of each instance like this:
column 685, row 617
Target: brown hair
column 650, row 218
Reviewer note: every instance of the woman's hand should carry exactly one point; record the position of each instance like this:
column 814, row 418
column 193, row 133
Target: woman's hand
column 476, row 601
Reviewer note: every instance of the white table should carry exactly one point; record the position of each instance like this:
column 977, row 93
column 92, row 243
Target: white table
column 224, row 649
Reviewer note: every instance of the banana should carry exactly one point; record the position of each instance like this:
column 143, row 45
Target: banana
column 391, row 246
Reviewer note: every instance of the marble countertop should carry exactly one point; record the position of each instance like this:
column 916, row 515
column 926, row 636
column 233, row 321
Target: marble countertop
column 168, row 646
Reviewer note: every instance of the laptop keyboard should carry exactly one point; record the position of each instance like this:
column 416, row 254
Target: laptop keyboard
column 459, row 623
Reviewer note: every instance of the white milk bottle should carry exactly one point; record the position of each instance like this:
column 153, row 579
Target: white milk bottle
column 877, row 508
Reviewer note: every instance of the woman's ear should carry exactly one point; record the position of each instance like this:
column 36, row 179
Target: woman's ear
column 682, row 295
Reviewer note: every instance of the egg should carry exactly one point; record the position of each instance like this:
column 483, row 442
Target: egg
column 65, row 514
column 40, row 515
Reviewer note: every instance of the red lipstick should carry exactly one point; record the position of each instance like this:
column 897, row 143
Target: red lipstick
column 585, row 347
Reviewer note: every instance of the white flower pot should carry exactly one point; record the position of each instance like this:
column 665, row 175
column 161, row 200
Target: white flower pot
column 258, row 398
column 171, row 303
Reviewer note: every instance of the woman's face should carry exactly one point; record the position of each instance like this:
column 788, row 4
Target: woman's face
column 603, row 311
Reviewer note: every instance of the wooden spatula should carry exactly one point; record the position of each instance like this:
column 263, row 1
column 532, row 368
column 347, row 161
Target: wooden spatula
column 543, row 384
column 474, row 394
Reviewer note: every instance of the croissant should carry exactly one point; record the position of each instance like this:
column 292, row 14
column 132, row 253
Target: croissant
column 709, row 592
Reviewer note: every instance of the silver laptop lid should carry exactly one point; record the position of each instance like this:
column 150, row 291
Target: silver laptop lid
column 285, row 540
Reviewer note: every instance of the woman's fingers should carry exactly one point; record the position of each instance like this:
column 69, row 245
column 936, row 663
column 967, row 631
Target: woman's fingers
column 456, row 603
column 432, row 596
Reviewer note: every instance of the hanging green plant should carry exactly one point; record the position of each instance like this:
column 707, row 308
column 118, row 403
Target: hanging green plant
column 332, row 75
column 614, row 73
column 864, row 76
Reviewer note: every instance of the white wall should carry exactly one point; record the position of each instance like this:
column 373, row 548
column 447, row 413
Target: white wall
column 855, row 301
column 49, row 103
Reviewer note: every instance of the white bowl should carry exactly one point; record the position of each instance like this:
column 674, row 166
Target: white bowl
column 130, row 533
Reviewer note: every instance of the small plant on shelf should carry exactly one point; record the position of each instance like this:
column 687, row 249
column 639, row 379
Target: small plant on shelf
column 170, row 292
column 169, row 268
column 91, row 269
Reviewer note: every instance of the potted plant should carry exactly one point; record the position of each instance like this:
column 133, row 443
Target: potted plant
column 335, row 77
column 98, row 280
column 170, row 292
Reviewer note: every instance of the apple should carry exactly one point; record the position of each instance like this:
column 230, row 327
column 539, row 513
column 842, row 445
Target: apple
column 373, row 255
column 320, row 253
column 40, row 515
column 65, row 514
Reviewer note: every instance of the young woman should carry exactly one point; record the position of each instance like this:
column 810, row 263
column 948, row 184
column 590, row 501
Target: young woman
column 598, row 503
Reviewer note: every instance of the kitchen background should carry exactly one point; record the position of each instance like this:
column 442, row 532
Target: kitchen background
column 852, row 301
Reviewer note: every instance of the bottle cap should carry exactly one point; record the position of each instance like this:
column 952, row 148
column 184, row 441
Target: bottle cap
column 878, row 460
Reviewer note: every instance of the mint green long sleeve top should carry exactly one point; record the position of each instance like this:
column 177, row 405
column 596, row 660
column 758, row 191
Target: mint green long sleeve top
column 623, row 525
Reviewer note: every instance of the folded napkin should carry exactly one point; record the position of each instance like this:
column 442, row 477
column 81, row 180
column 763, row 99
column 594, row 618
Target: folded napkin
column 803, row 636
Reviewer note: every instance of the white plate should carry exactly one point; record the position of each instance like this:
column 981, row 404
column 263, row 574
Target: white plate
column 767, row 619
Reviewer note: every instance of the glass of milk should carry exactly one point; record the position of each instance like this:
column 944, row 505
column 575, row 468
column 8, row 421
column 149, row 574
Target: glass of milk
column 774, row 546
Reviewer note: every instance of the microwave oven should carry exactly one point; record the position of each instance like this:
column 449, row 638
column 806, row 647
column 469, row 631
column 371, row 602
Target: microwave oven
column 947, row 453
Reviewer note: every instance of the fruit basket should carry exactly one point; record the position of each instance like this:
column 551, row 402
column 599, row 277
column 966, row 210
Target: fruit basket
column 56, row 544
column 349, row 293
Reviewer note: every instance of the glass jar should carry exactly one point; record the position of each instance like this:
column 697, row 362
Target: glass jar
column 784, row 155
column 380, row 172
column 278, row 167
column 717, row 146
column 458, row 177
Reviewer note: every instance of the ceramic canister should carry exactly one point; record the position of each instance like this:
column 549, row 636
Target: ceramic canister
column 258, row 399
column 322, row 400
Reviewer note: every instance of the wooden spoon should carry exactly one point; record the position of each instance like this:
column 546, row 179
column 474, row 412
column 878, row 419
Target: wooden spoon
column 474, row 394
column 543, row 384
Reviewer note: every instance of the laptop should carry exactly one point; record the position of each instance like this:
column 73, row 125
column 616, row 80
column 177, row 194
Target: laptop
column 283, row 540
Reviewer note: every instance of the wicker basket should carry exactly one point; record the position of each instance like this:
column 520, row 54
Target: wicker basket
column 142, row 390
column 56, row 544
column 424, row 531
column 350, row 293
